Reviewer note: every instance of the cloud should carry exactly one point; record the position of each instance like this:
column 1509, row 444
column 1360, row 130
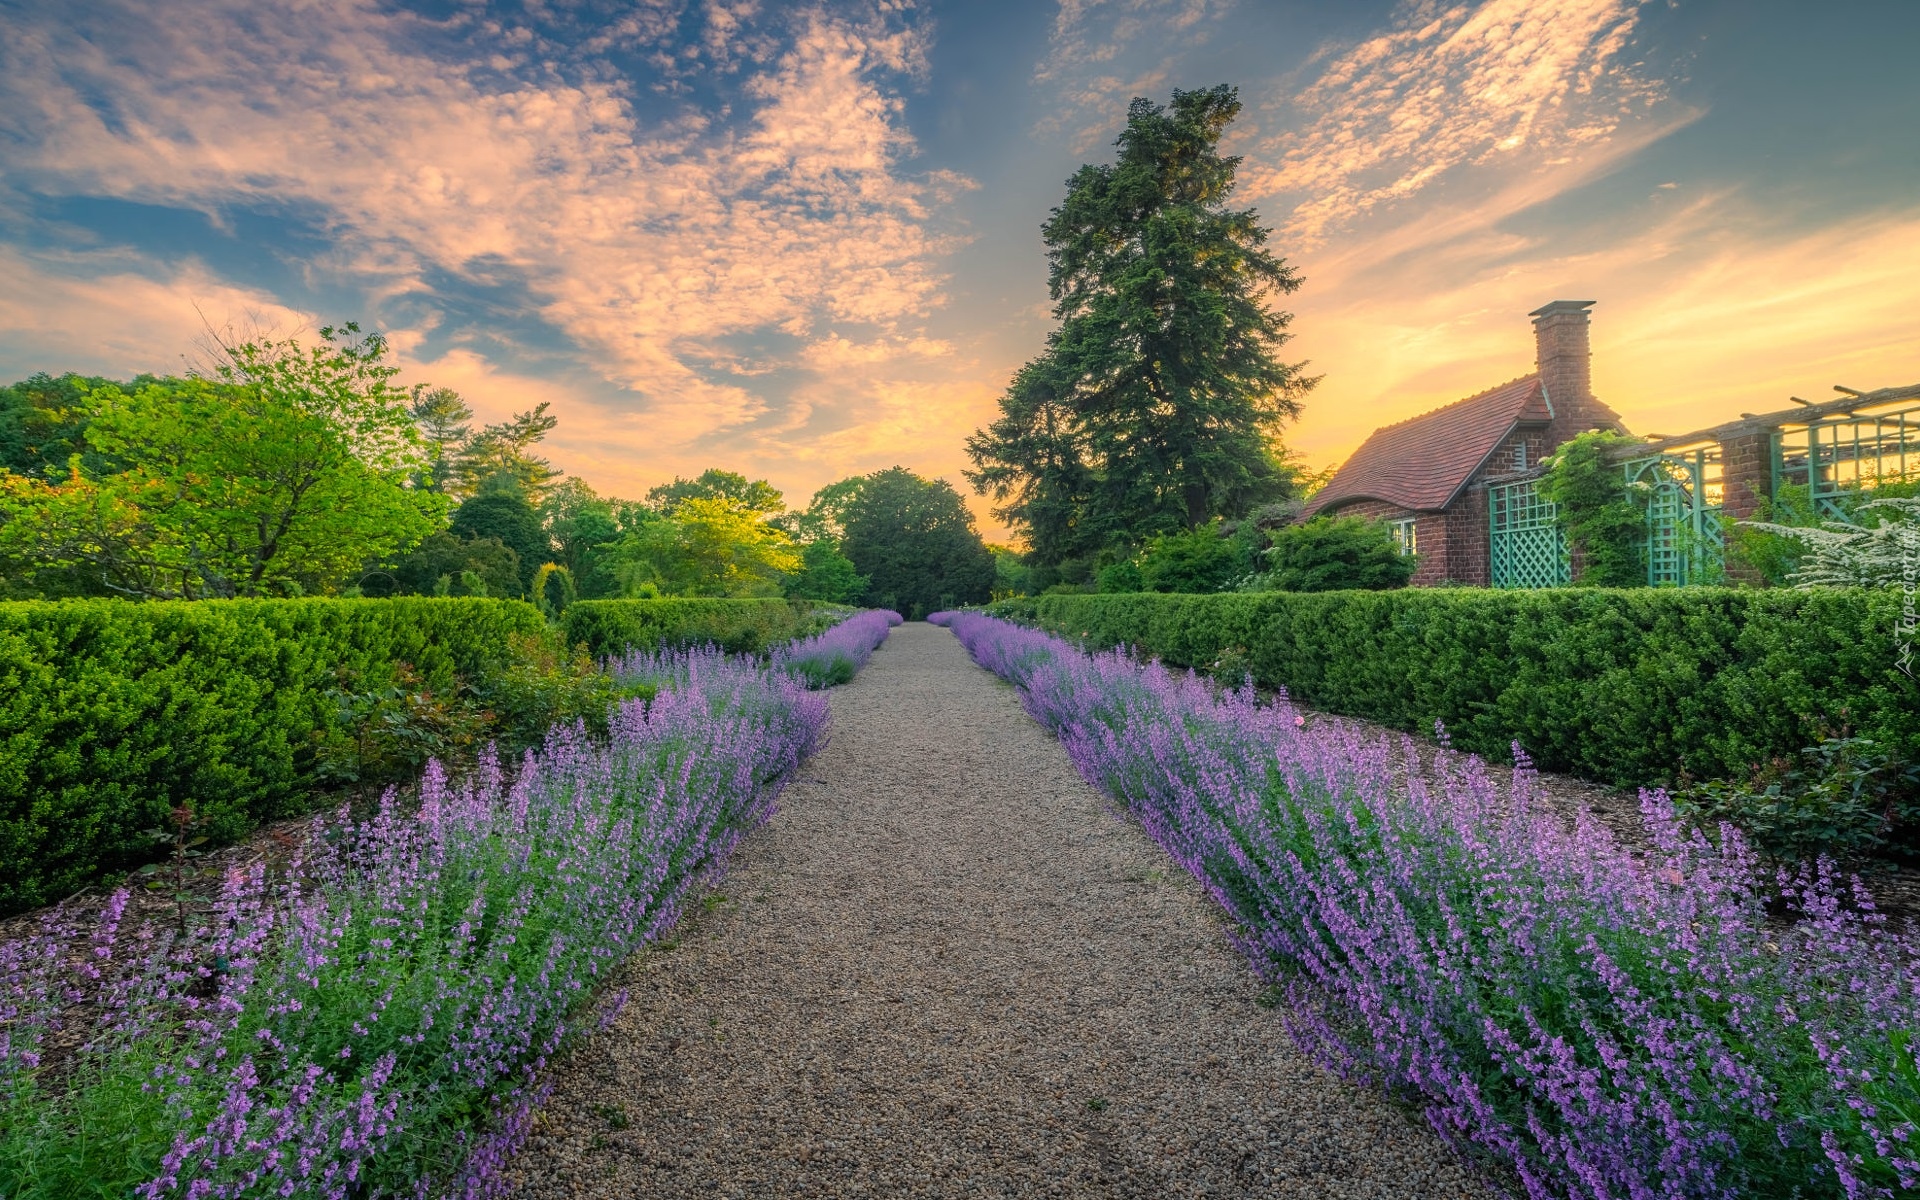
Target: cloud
column 1103, row 53
column 648, row 241
column 1534, row 83
column 1093, row 33
column 115, row 315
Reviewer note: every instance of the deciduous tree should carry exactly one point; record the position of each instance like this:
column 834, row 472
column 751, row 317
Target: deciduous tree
column 707, row 546
column 749, row 495
column 282, row 470
column 914, row 539
column 503, row 513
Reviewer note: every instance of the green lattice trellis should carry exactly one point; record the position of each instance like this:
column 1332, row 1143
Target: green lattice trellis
column 1838, row 455
column 1525, row 544
column 1684, row 543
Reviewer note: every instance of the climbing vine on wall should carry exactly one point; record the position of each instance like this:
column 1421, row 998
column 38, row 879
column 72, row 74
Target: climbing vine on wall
column 1596, row 510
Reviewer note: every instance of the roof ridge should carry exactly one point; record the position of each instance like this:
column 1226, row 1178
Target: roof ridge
column 1483, row 394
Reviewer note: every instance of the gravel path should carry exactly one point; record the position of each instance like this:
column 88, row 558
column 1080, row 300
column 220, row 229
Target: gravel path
column 946, row 969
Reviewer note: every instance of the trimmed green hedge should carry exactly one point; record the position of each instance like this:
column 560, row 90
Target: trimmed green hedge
column 111, row 712
column 1626, row 686
column 607, row 627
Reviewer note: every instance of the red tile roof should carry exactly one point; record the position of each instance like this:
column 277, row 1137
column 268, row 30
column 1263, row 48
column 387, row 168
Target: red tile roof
column 1424, row 461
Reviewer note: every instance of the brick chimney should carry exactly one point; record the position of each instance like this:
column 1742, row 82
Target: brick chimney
column 1565, row 362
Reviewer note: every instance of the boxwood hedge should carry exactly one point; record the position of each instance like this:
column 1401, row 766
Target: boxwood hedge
column 742, row 626
column 1624, row 686
column 111, row 712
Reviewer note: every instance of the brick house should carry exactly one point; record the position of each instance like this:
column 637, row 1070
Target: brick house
column 1427, row 476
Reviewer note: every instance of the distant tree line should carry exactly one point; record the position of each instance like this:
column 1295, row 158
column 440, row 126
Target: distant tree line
column 289, row 469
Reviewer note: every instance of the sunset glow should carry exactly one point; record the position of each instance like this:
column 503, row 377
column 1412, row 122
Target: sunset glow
column 801, row 241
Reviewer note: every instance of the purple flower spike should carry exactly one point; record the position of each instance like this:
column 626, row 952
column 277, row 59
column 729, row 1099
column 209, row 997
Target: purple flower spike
column 330, row 1028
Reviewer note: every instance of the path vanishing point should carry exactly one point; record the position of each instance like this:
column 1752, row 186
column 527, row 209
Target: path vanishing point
column 947, row 968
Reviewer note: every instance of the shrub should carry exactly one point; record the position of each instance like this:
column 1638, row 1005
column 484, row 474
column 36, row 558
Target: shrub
column 1626, row 686
column 612, row 627
column 1121, row 578
column 114, row 712
column 1197, row 560
column 1332, row 554
column 1846, row 797
column 1878, row 552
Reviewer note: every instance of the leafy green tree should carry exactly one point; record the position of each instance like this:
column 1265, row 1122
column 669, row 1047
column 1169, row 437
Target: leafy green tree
column 280, row 471
column 504, row 513
column 583, row 527
column 43, row 424
column 707, row 546
column 915, row 541
column 1154, row 406
column 748, row 495
column 825, row 517
column 1333, row 554
column 446, row 565
column 826, row 574
column 1011, row 575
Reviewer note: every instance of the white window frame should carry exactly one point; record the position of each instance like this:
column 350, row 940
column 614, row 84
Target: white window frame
column 1406, row 534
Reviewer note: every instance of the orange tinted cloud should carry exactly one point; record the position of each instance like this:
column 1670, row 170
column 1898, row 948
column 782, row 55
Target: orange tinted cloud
column 650, row 245
column 109, row 315
column 1450, row 86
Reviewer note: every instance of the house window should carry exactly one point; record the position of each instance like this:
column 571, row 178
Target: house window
column 1404, row 535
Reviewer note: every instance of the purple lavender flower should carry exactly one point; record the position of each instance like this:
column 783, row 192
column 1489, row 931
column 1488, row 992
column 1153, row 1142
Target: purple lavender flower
column 332, row 1029
column 836, row 656
column 1603, row 1025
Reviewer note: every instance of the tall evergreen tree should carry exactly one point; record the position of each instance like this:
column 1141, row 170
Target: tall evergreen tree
column 504, row 513
column 1155, row 404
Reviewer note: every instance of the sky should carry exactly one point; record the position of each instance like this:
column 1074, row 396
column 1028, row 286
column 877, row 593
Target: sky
column 801, row 240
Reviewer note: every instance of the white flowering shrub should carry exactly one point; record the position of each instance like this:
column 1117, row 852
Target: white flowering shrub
column 1885, row 554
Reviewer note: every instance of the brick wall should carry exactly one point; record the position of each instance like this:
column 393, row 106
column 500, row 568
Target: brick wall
column 1467, row 555
column 1746, row 475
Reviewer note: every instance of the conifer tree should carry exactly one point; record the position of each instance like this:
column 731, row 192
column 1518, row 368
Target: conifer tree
column 1155, row 405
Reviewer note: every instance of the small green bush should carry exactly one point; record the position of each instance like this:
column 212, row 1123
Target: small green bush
column 1334, row 554
column 1847, row 798
column 1194, row 560
column 112, row 713
column 1629, row 686
column 609, row 627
